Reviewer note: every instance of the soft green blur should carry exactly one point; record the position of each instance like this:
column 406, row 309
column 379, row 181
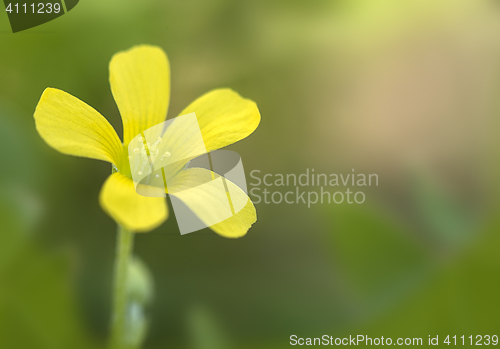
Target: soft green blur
column 405, row 89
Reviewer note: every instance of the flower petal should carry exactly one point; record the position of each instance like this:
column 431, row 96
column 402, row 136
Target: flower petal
column 224, row 117
column 133, row 211
column 73, row 127
column 237, row 225
column 140, row 82
column 208, row 199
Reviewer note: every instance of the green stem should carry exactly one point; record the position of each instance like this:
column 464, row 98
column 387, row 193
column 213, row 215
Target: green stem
column 123, row 253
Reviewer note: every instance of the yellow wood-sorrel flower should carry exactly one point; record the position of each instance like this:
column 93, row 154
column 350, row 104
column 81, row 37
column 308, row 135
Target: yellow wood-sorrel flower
column 140, row 83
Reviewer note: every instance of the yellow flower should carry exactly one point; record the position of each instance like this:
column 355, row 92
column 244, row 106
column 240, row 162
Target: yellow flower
column 140, row 83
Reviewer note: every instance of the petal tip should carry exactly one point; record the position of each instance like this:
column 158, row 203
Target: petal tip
column 134, row 212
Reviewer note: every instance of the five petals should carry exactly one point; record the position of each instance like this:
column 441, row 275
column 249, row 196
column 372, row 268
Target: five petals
column 140, row 83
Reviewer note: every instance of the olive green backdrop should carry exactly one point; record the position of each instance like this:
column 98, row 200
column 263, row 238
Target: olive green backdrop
column 407, row 91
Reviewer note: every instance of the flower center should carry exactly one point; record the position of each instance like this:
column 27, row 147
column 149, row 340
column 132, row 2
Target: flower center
column 149, row 150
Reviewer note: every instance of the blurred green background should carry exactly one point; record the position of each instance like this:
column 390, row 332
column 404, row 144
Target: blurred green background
column 405, row 89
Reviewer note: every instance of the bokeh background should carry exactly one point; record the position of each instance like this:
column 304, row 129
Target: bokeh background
column 405, row 89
